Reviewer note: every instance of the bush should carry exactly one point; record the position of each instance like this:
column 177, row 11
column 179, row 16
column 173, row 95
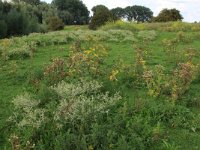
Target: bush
column 16, row 53
column 55, row 23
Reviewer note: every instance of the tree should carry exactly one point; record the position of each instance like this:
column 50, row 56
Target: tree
column 138, row 13
column 99, row 8
column 168, row 15
column 18, row 19
column 42, row 11
column 101, row 15
column 129, row 13
column 32, row 2
column 76, row 11
column 118, row 12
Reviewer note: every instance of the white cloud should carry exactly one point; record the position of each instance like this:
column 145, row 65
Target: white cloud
column 189, row 8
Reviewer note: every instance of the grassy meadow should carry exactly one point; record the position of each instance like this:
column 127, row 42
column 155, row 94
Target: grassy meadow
column 123, row 86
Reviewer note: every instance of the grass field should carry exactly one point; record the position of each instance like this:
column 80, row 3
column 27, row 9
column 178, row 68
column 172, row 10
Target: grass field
column 156, row 72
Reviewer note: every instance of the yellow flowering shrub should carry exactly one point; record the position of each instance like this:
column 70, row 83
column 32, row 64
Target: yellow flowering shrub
column 87, row 61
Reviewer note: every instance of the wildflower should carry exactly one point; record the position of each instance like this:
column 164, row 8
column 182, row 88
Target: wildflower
column 95, row 55
column 90, row 147
column 113, row 75
column 6, row 43
column 88, row 52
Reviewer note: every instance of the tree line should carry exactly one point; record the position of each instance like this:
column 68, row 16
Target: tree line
column 20, row 17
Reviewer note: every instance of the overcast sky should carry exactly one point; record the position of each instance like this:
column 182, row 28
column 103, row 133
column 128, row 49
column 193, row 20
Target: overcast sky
column 189, row 8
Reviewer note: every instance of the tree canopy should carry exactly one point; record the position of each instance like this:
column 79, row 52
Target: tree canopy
column 72, row 11
column 32, row 2
column 118, row 12
column 138, row 13
column 133, row 13
column 168, row 15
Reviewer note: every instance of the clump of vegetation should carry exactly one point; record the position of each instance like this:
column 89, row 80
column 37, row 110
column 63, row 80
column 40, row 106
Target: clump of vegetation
column 22, row 51
column 55, row 23
column 167, row 15
column 56, row 71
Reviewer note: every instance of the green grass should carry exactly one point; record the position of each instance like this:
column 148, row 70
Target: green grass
column 13, row 83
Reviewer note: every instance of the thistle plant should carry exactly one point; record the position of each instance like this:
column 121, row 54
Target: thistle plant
column 140, row 61
column 182, row 79
column 56, row 71
column 155, row 80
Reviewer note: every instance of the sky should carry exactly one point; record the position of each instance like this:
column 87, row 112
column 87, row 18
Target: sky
column 188, row 8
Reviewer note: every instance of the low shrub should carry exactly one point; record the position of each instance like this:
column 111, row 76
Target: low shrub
column 55, row 23
column 19, row 53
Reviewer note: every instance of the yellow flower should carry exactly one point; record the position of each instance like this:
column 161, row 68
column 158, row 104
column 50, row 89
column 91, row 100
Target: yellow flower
column 90, row 147
column 151, row 92
column 142, row 62
column 6, row 43
column 95, row 55
column 88, row 52
column 113, row 75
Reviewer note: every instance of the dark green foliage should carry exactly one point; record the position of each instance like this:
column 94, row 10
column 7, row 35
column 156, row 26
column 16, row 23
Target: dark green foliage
column 55, row 23
column 3, row 29
column 168, row 15
column 16, row 22
column 66, row 16
column 42, row 11
column 72, row 11
column 6, row 7
column 19, row 22
column 133, row 13
column 101, row 15
column 32, row 2
column 118, row 12
column 138, row 13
